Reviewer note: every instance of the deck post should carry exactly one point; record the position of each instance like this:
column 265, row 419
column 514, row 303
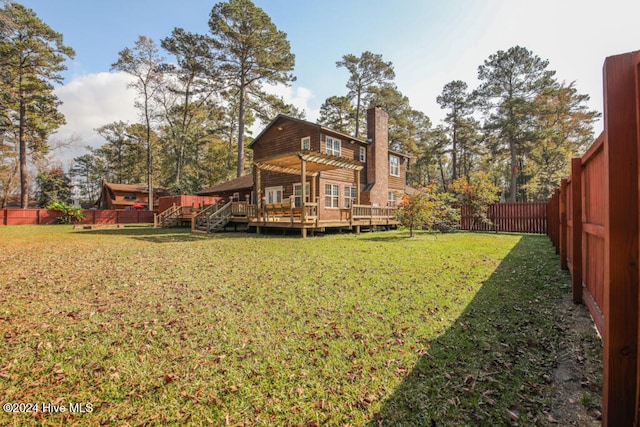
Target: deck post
column 303, row 214
column 357, row 187
column 258, row 187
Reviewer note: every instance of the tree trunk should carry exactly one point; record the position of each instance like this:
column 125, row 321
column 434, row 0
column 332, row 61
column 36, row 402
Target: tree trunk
column 24, row 184
column 444, row 182
column 149, row 159
column 454, row 156
column 513, row 187
column 240, row 170
column 357, row 114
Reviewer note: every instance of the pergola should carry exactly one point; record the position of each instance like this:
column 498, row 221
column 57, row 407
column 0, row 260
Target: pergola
column 306, row 164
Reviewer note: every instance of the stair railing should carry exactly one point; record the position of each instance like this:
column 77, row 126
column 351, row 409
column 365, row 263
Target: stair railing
column 219, row 216
column 161, row 219
column 201, row 217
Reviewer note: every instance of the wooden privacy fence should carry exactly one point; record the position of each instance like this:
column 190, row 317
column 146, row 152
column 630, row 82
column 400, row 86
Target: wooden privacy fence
column 594, row 225
column 16, row 216
column 529, row 217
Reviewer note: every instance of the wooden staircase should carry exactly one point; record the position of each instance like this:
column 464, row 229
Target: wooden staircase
column 213, row 218
column 169, row 218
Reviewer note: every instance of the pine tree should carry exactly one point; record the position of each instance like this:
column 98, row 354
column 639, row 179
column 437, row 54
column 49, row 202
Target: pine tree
column 186, row 101
column 32, row 56
column 365, row 73
column 252, row 52
column 337, row 113
column 143, row 62
column 459, row 102
column 510, row 83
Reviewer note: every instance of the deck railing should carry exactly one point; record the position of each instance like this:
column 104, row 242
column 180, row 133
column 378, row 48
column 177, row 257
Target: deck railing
column 242, row 209
column 364, row 212
column 200, row 218
column 165, row 217
column 220, row 217
column 310, row 211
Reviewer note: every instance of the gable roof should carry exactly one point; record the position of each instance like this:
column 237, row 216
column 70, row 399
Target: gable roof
column 241, row 183
column 305, row 122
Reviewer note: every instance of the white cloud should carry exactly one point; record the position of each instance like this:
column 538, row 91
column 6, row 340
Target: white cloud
column 298, row 96
column 91, row 101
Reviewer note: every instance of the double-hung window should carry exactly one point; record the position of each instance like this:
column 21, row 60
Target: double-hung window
column 363, row 154
column 333, row 146
column 305, row 143
column 349, row 196
column 331, row 196
column 394, row 165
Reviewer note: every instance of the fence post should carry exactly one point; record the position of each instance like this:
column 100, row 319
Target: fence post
column 619, row 379
column 576, row 250
column 554, row 218
column 563, row 224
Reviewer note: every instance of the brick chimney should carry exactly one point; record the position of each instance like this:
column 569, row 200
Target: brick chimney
column 376, row 190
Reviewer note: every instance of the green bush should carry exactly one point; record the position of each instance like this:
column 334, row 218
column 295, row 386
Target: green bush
column 428, row 209
column 69, row 214
column 447, row 217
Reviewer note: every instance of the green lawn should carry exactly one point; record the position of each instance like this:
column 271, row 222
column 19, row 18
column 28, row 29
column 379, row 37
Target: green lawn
column 162, row 327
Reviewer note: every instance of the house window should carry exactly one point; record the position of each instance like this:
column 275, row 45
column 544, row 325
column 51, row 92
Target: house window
column 297, row 194
column 333, row 147
column 273, row 194
column 394, row 166
column 130, row 196
column 363, row 154
column 305, row 143
column 331, row 196
column 393, row 198
column 349, row 196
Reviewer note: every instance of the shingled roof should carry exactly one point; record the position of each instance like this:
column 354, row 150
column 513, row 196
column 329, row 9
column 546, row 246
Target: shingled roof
column 241, row 183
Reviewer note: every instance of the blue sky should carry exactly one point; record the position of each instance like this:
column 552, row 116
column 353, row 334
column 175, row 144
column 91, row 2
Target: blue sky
column 429, row 42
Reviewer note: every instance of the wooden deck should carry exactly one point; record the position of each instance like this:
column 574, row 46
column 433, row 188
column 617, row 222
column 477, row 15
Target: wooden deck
column 306, row 219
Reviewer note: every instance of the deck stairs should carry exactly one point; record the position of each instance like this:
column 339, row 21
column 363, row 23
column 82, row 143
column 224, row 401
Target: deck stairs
column 213, row 218
column 169, row 218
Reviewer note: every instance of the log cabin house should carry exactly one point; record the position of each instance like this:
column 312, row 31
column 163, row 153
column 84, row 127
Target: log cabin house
column 309, row 177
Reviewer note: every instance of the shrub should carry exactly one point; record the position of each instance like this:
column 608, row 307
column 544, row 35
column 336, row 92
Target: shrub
column 69, row 214
column 476, row 194
column 447, row 217
column 428, row 209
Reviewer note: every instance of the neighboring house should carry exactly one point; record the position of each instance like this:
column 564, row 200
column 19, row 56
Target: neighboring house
column 309, row 177
column 128, row 196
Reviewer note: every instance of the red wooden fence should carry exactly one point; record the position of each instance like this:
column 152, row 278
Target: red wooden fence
column 594, row 224
column 11, row 216
column 530, row 217
column 166, row 202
